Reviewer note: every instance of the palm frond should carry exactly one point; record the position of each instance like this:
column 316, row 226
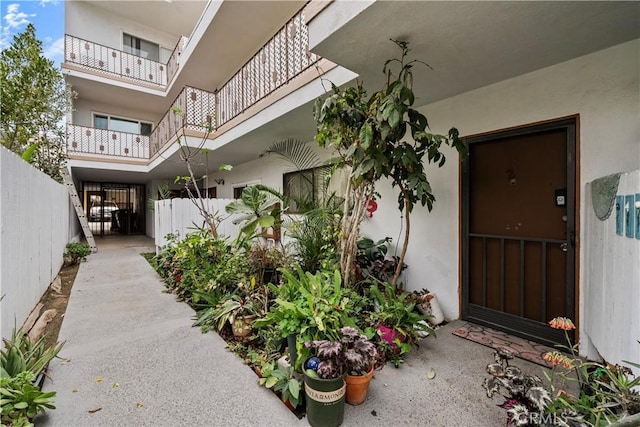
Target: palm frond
column 294, row 151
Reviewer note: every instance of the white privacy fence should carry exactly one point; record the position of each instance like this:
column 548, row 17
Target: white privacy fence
column 36, row 222
column 611, row 312
column 181, row 216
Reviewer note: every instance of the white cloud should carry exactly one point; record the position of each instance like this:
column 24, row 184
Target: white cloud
column 43, row 3
column 54, row 50
column 16, row 19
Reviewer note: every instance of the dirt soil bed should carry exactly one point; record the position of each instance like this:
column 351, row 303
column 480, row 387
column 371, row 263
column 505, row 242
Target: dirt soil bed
column 52, row 299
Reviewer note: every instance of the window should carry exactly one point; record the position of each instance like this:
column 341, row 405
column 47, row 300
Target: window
column 237, row 192
column 140, row 47
column 102, row 121
column 306, row 188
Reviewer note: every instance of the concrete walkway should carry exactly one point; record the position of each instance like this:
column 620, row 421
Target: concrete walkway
column 122, row 328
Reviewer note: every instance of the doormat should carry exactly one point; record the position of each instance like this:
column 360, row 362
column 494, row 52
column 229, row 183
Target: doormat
column 524, row 349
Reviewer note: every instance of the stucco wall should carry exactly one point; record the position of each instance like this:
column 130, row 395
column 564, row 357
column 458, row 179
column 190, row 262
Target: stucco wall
column 36, row 223
column 603, row 88
column 97, row 25
column 84, row 109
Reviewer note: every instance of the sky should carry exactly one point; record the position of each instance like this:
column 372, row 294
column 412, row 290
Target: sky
column 46, row 15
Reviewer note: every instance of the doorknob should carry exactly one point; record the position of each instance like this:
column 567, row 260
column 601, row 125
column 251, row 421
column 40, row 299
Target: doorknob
column 564, row 247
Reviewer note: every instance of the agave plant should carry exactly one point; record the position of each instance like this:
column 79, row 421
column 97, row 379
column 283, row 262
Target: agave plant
column 21, row 354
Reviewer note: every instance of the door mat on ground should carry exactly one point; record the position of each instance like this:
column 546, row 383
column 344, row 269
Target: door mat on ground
column 527, row 350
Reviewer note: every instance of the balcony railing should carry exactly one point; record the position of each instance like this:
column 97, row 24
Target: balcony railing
column 285, row 56
column 193, row 109
column 113, row 62
column 87, row 140
column 281, row 59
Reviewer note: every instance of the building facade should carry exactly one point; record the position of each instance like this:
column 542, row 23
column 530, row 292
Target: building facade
column 547, row 96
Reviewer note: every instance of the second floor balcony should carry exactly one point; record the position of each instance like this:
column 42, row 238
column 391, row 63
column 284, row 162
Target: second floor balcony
column 114, row 63
column 194, row 111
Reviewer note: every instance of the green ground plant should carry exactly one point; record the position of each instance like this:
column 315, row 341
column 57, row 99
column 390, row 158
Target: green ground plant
column 22, row 362
column 577, row 392
column 77, row 252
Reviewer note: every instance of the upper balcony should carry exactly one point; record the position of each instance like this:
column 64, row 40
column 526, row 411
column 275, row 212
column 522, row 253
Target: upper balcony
column 106, row 61
column 194, row 112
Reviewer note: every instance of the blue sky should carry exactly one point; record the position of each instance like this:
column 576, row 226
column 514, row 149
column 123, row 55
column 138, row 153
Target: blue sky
column 46, row 15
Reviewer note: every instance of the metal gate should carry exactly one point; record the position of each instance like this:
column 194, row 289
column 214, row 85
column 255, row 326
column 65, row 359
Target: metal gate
column 113, row 208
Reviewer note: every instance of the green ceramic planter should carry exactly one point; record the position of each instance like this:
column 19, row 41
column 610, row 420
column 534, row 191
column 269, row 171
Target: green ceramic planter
column 325, row 401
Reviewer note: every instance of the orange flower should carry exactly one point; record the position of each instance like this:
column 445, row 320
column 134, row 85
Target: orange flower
column 562, row 323
column 556, row 358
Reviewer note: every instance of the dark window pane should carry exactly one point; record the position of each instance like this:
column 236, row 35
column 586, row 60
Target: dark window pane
column 145, row 128
column 300, row 188
column 237, row 192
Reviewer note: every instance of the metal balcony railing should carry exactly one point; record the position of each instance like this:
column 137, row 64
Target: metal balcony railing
column 193, row 109
column 281, row 59
column 285, row 56
column 113, row 62
column 88, row 140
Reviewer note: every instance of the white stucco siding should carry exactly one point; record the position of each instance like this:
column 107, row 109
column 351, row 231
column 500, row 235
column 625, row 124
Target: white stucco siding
column 84, row 110
column 603, row 88
column 98, row 25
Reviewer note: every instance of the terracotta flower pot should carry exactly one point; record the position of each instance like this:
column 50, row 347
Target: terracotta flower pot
column 241, row 326
column 357, row 387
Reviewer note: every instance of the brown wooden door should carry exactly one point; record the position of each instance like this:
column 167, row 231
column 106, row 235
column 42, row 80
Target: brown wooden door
column 518, row 229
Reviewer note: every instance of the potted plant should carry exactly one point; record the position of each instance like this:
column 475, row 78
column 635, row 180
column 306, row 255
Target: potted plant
column 398, row 322
column 265, row 260
column 283, row 381
column 309, row 307
column 354, row 355
column 324, row 375
column 427, row 303
column 239, row 310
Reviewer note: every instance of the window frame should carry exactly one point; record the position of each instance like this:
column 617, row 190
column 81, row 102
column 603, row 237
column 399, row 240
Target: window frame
column 314, row 183
column 138, row 50
column 109, row 117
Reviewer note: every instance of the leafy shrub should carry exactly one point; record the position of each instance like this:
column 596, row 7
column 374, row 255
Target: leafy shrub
column 283, row 382
column 315, row 239
column 311, row 306
column 21, row 400
column 264, row 262
column 77, row 252
column 606, row 392
column 21, row 362
column 201, row 263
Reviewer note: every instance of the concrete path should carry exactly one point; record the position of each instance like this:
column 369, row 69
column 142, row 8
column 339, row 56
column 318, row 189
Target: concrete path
column 122, row 328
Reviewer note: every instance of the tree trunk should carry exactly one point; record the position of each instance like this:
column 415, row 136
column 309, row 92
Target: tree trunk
column 199, row 202
column 405, row 244
column 344, row 227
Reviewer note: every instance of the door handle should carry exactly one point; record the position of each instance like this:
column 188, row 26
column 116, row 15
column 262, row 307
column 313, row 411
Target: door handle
column 564, row 246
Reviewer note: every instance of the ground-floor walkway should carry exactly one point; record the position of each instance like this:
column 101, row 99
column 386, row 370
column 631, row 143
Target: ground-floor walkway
column 132, row 358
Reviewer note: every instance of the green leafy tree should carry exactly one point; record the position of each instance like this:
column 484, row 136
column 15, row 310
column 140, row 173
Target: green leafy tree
column 381, row 136
column 35, row 100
